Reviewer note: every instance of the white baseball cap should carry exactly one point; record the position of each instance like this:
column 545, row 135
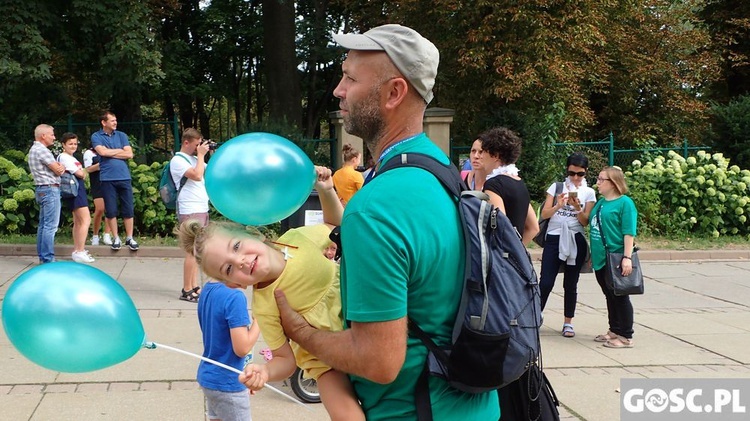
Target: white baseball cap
column 414, row 55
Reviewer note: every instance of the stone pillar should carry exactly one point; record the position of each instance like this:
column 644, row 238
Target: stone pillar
column 342, row 138
column 436, row 124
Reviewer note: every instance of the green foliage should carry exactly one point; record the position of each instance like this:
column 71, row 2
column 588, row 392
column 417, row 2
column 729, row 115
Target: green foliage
column 731, row 127
column 702, row 195
column 151, row 216
column 18, row 208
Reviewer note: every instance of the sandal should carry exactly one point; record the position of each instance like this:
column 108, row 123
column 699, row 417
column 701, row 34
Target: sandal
column 191, row 296
column 606, row 337
column 567, row 330
column 619, row 342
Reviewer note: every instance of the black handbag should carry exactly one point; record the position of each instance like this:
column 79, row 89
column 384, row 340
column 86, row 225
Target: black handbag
column 544, row 223
column 613, row 277
column 68, row 185
column 530, row 398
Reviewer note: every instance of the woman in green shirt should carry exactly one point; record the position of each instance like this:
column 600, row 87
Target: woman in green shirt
column 614, row 214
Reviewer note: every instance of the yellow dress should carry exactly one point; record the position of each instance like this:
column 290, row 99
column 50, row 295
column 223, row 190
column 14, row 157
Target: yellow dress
column 310, row 282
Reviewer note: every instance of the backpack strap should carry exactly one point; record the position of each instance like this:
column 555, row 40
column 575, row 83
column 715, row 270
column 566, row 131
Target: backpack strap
column 448, row 175
column 558, row 190
column 184, row 179
column 451, row 180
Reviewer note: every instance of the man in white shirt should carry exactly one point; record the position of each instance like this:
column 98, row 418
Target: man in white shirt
column 192, row 199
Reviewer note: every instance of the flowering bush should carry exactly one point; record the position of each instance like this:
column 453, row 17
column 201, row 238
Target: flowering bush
column 702, row 194
column 17, row 201
column 19, row 210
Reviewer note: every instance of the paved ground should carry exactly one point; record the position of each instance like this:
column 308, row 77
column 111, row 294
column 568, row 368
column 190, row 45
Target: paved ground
column 693, row 322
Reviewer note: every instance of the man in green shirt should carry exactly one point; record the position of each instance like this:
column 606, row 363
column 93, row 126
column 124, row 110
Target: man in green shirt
column 403, row 251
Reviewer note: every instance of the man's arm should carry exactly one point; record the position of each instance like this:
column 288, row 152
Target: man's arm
column 375, row 351
column 56, row 167
column 196, row 173
column 104, row 151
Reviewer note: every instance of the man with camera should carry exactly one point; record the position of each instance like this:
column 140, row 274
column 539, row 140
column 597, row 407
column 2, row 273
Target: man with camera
column 187, row 168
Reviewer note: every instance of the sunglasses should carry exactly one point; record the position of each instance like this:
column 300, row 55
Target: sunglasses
column 580, row 173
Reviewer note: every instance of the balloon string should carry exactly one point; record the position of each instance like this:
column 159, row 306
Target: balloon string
column 154, row 345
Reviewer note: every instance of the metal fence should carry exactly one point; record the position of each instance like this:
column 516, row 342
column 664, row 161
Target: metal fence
column 161, row 137
column 600, row 153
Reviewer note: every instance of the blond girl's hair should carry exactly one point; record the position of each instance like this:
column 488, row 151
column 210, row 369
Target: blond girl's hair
column 617, row 177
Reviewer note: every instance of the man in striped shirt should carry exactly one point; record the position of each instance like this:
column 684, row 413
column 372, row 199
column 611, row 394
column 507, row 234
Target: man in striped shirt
column 46, row 173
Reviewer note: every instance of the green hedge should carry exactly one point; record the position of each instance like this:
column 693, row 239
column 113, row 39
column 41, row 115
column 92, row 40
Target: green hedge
column 702, row 195
column 19, row 211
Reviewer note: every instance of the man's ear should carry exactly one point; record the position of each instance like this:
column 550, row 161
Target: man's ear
column 396, row 90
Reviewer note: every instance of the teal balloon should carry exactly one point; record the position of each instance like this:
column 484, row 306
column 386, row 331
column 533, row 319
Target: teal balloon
column 259, row 178
column 71, row 317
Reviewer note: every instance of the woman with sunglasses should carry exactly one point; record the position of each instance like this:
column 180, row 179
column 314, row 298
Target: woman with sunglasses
column 616, row 215
column 565, row 243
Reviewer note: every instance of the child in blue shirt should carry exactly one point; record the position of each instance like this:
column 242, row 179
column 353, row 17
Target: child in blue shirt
column 228, row 336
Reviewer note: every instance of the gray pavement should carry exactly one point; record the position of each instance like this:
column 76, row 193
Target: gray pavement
column 693, row 321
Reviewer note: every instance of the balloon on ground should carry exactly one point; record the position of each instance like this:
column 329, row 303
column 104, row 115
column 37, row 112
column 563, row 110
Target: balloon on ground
column 259, row 178
column 71, row 317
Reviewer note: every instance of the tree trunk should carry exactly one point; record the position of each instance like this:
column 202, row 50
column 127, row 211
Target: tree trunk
column 283, row 86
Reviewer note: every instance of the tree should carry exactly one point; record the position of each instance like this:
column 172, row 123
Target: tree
column 282, row 77
column 729, row 24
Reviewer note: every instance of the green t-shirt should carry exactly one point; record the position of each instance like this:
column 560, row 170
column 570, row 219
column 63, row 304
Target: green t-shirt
column 619, row 218
column 403, row 250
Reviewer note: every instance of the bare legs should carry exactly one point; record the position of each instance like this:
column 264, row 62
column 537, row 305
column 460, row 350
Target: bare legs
column 81, row 222
column 98, row 215
column 338, row 397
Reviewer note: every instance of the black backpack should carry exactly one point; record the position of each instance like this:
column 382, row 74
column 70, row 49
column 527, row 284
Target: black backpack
column 496, row 332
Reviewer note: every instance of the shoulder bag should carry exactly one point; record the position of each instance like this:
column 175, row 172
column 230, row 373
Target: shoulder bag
column 544, row 223
column 614, row 279
column 68, row 184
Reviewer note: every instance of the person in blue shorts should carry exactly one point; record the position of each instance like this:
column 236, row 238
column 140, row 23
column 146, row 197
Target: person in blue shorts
column 113, row 148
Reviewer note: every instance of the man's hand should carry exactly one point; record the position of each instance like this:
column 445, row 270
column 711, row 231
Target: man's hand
column 202, row 148
column 57, row 168
column 295, row 326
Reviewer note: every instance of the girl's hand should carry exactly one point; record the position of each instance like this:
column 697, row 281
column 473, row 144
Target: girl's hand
column 561, row 199
column 324, row 179
column 254, row 377
column 627, row 266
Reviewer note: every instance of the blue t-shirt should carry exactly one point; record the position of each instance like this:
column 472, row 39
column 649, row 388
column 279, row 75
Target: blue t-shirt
column 220, row 309
column 111, row 169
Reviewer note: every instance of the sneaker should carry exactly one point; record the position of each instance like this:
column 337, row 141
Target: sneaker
column 132, row 244
column 82, row 257
column 95, row 240
column 107, row 239
column 116, row 244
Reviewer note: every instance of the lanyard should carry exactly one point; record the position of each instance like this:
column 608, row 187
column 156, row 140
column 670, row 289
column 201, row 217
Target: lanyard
column 385, row 153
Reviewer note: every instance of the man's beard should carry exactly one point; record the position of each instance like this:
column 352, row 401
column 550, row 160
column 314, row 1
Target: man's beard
column 364, row 120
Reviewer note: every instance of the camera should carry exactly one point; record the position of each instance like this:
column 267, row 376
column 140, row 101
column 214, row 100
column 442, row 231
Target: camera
column 211, row 144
